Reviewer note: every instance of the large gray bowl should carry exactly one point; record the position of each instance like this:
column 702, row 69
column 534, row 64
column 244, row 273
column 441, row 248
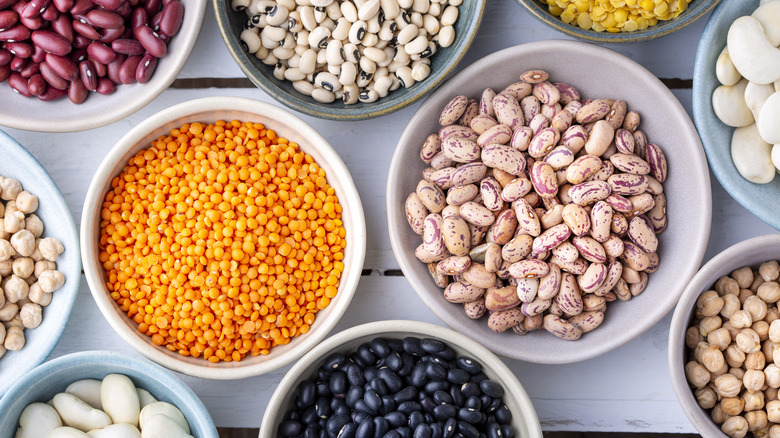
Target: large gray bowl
column 751, row 252
column 596, row 72
column 231, row 23
column 761, row 199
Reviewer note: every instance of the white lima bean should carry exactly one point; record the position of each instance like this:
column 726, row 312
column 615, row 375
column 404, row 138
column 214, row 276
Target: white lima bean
column 163, row 408
column 77, row 414
column 119, row 398
column 38, row 420
column 162, row 426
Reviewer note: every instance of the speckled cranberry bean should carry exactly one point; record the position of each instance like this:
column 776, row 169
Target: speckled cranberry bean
column 498, row 134
column 590, row 191
column 453, row 265
column 562, row 328
column 508, row 111
column 568, row 93
column 551, row 238
column 593, row 111
column 527, row 220
column 498, row 299
column 468, row 174
column 476, row 214
column 460, row 292
column 456, row 235
column 453, row 110
column 505, row 158
column 518, row 90
column 521, row 138
column 503, row 320
column 547, row 93
column 657, row 162
column 627, row 184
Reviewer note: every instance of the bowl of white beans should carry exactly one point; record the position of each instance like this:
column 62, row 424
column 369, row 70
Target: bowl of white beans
column 348, row 60
column 107, row 394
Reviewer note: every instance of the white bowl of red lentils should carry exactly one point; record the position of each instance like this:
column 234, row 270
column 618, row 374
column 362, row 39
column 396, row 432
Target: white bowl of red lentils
column 223, row 237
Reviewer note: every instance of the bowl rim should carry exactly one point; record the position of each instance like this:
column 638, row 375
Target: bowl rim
column 90, row 357
column 379, row 108
column 407, row 262
column 124, row 108
column 702, row 281
column 349, row 280
column 661, row 29
column 72, row 282
column 508, row 379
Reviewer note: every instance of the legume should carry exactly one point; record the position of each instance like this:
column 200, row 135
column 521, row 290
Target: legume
column 222, row 240
column 616, row 16
column 398, row 388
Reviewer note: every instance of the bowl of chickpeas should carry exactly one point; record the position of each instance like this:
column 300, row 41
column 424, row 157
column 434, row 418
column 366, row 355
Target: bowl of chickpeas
column 632, row 21
column 225, row 237
column 723, row 337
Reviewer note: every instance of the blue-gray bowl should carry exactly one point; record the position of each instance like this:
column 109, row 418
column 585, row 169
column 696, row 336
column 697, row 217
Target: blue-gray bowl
column 761, row 199
column 696, row 10
column 53, row 377
column 17, row 163
column 231, row 23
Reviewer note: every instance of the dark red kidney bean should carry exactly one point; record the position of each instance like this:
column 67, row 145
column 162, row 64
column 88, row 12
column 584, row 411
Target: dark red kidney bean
column 100, row 68
column 5, row 72
column 172, row 17
column 101, row 52
column 30, row 23
column 63, row 66
column 151, row 41
column 19, row 32
column 81, row 42
column 22, row 50
column 52, row 93
column 5, row 57
column 53, row 78
column 106, row 86
column 81, row 7
column 38, row 54
column 29, row 69
column 145, row 69
column 63, row 5
column 154, row 22
column 7, row 19
column 109, row 4
column 134, row 3
column 51, row 42
column 127, row 46
column 50, row 14
column 85, row 29
column 79, row 55
column 128, row 68
column 19, row 84
column 108, row 36
column 105, row 19
column 139, row 17
column 63, row 27
column 112, row 70
column 36, row 8
column 88, row 75
column 17, row 64
column 36, row 84
column 153, row 6
column 5, row 4
column 77, row 93
column 124, row 10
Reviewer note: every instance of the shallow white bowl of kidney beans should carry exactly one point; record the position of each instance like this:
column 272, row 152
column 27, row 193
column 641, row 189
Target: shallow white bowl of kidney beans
column 71, row 65
column 400, row 379
column 546, row 211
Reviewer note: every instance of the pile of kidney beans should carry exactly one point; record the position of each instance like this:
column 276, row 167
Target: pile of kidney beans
column 398, row 388
column 56, row 48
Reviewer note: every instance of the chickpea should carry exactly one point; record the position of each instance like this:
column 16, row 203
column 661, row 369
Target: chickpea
column 731, row 304
column 741, row 319
column 743, row 276
column 709, row 324
column 747, row 340
column 51, row 248
column 34, row 225
column 23, row 242
column 755, row 361
column 3, row 234
column 772, row 314
column 770, row 270
column 728, row 385
column 712, row 358
column 739, row 373
column 735, row 427
column 762, row 329
column 36, row 255
column 720, row 337
column 744, row 294
column 734, row 356
column 732, row 405
column 699, row 350
column 727, row 285
column 6, row 250
column 13, row 222
column 26, row 202
column 693, row 337
column 774, row 431
column 14, row 338
column 51, row 280
column 756, row 420
column 770, row 394
column 2, row 334
column 756, row 307
column 717, row 414
column 753, row 380
column 697, row 374
column 769, row 291
column 757, row 281
column 773, row 411
column 16, row 289
column 730, row 327
column 9, row 188
column 709, row 304
column 8, row 311
column 32, row 315
column 6, row 268
column 706, row 397
column 23, row 267
column 38, row 296
column 43, row 265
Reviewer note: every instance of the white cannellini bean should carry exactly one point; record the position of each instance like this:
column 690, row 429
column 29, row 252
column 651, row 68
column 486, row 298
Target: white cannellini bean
column 76, row 413
column 37, row 420
column 162, row 426
column 165, row 409
column 729, row 105
column 145, row 398
column 756, row 95
column 120, row 399
column 769, row 16
column 752, row 54
column 88, row 390
column 120, row 430
column 752, row 155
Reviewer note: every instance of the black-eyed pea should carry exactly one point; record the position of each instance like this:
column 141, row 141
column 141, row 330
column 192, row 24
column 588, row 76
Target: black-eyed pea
column 498, row 134
column 617, row 113
column 508, row 111
column 460, row 292
column 425, row 256
column 468, row 174
column 498, row 299
column 562, row 328
column 589, row 191
column 518, row 90
column 463, row 132
column 460, row 150
column 566, row 252
column 453, row 110
column 592, row 111
column 475, row 309
column 503, row 320
column 657, row 162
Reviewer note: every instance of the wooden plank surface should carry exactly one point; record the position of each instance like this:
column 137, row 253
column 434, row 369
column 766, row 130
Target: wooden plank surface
column 627, row 390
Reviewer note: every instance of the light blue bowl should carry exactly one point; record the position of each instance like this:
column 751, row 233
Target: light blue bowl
column 54, row 376
column 17, row 163
column 761, row 199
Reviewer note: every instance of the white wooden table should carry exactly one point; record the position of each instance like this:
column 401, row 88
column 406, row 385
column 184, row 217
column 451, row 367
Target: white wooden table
column 627, row 390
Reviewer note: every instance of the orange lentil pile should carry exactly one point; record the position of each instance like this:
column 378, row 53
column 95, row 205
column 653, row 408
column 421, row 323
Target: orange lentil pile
column 222, row 240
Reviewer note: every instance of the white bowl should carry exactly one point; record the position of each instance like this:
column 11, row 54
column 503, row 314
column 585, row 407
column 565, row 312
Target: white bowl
column 58, row 223
column 62, row 115
column 752, row 253
column 209, row 110
column 524, row 418
column 598, row 73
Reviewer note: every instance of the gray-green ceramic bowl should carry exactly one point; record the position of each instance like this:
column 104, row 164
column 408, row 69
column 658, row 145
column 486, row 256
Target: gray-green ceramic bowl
column 231, row 23
column 696, row 10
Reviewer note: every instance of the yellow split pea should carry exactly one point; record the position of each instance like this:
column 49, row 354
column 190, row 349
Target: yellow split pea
column 616, row 15
column 222, row 240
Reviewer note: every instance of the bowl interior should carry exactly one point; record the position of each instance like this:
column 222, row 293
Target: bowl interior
column 53, row 377
column 58, row 222
column 695, row 11
column 524, row 418
column 286, row 125
column 760, row 199
column 98, row 110
column 751, row 253
column 231, row 23
column 610, row 75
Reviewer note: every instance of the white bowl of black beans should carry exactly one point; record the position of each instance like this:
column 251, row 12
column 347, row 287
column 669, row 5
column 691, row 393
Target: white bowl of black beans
column 400, row 379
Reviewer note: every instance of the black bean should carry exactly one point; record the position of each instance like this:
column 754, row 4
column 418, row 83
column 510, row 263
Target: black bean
column 334, row 361
column 467, row 430
column 436, row 430
column 312, row 431
column 491, row 388
column 354, row 374
column 416, row 418
column 379, row 386
column 338, row 383
column 348, row 431
column 393, row 361
column 337, row 403
column 365, row 429
column 445, row 412
column 491, row 407
column 395, row 344
column 392, row 434
column 457, row 396
column 493, row 430
column 408, row 407
column 447, row 354
column 396, row 418
column 381, row 426
column 473, row 403
column 379, row 347
column 307, row 393
column 508, row 430
column 468, row 364
column 422, row 431
column 469, row 415
column 458, row 376
column 393, row 382
column 369, row 373
column 503, row 415
column 427, row 404
column 435, row 371
column 405, row 432
column 434, row 386
column 323, row 374
column 290, row 428
column 365, row 356
column 485, row 400
column 419, row 377
column 354, row 394
column 408, row 393
column 310, row 415
column 362, row 406
column 470, row 389
column 373, row 400
column 450, row 428
column 388, row 404
column 412, row 346
column 429, row 418
column 322, row 406
column 293, row 415
column 430, row 345
column 479, row 377
column 442, row 397
column 441, row 362
column 409, row 363
column 335, row 423
column 323, row 390
column 359, row 417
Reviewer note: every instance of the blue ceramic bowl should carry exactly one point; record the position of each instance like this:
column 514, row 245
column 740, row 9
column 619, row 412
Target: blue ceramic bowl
column 17, row 163
column 761, row 199
column 695, row 10
column 231, row 23
column 53, row 377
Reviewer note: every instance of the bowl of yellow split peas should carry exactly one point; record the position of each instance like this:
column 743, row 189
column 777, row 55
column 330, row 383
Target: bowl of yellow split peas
column 618, row 21
column 223, row 237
